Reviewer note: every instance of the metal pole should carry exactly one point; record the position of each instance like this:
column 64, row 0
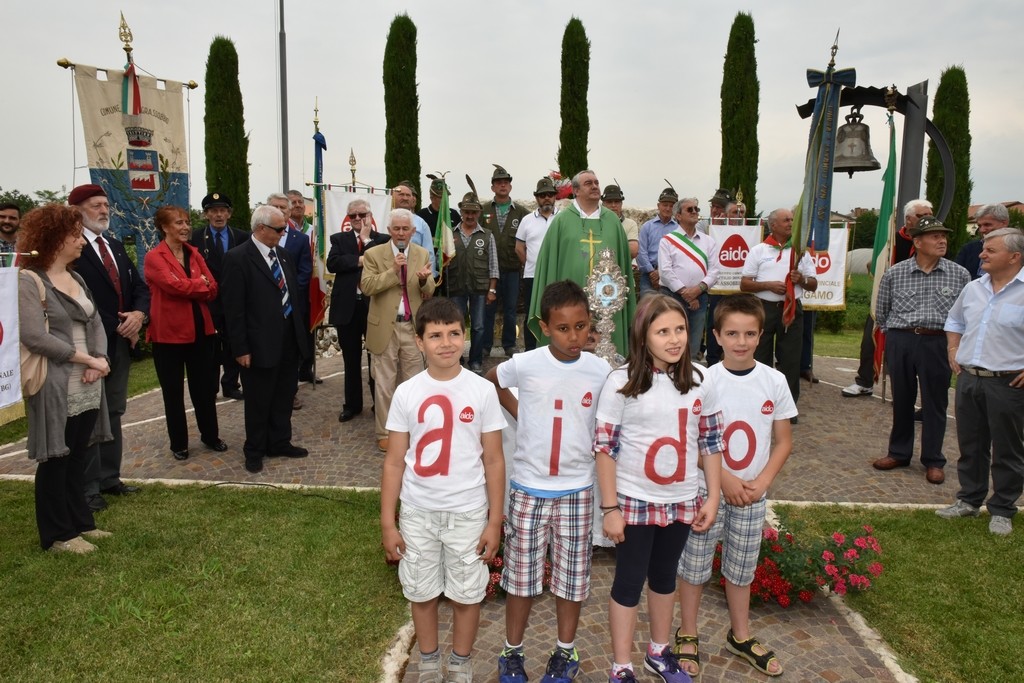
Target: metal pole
column 912, row 154
column 283, row 68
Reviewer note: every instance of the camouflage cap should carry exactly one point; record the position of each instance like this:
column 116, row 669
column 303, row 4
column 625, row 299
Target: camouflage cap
column 470, row 201
column 613, row 193
column 669, row 194
column 545, row 186
column 928, row 224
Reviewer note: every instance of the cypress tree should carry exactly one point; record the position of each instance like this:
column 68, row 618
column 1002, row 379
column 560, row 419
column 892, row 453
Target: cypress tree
column 227, row 145
column 572, row 138
column 740, row 98
column 951, row 115
column 401, row 105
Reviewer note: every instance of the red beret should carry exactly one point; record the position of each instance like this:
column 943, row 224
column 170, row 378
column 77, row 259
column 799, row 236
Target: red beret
column 83, row 192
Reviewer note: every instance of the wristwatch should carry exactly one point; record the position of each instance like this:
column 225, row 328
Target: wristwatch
column 492, row 291
column 703, row 287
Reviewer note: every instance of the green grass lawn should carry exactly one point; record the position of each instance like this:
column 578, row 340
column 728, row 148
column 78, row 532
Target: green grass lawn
column 141, row 378
column 951, row 598
column 202, row 584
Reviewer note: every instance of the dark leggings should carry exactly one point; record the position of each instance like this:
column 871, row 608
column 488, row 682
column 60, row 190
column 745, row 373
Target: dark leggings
column 648, row 552
column 61, row 510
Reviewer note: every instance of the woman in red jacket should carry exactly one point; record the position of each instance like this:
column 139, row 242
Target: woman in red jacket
column 181, row 330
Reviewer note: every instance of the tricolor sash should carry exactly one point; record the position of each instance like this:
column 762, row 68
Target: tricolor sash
column 683, row 243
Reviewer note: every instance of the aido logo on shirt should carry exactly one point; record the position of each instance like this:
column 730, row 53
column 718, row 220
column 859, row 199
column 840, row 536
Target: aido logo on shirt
column 697, row 407
column 588, row 400
column 467, row 414
column 768, row 408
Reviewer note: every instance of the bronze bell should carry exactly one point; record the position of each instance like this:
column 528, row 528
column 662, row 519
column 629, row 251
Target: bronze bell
column 853, row 146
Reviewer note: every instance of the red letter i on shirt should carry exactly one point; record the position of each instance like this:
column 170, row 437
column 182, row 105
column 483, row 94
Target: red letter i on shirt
column 556, row 441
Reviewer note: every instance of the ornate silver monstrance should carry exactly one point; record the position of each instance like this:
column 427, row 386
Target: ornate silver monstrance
column 607, row 290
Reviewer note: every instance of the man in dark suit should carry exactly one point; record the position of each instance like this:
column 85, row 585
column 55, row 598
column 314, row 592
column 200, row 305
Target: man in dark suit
column 266, row 334
column 349, row 306
column 297, row 245
column 213, row 241
column 122, row 298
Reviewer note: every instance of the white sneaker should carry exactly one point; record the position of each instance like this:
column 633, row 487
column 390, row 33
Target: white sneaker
column 430, row 672
column 97, row 533
column 958, row 509
column 1000, row 525
column 80, row 546
column 857, row 390
column 460, row 673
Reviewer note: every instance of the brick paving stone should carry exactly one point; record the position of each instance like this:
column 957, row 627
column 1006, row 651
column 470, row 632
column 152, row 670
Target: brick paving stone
column 834, row 444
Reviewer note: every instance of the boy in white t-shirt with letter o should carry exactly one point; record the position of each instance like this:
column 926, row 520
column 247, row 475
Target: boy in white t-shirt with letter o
column 551, row 502
column 445, row 462
column 759, row 408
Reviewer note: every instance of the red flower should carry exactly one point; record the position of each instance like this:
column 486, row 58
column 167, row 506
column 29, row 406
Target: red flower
column 838, row 538
column 852, row 554
column 783, row 600
column 868, row 529
column 861, row 542
column 875, row 568
column 771, row 534
column 828, row 556
column 805, row 596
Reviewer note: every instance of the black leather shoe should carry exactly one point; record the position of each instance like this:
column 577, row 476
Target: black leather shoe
column 254, row 465
column 346, row 414
column 96, row 502
column 809, row 376
column 180, row 455
column 120, row 489
column 289, row 451
column 217, row 445
column 234, row 393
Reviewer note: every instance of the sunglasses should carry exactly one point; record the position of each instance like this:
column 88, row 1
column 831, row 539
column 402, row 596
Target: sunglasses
column 354, row 216
column 277, row 230
column 691, row 209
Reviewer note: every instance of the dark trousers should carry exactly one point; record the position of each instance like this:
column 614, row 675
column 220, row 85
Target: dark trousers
column 650, row 553
column 172, row 362
column 103, row 461
column 912, row 358
column 225, row 359
column 990, row 431
column 807, row 350
column 713, row 350
column 529, row 341
column 474, row 305
column 350, row 339
column 780, row 346
column 866, row 370
column 269, row 393
column 508, row 300
column 61, row 510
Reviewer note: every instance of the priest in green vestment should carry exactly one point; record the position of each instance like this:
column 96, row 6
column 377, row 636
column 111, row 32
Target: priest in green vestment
column 571, row 247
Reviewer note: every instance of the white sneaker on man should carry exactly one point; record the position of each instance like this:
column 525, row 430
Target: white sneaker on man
column 958, row 509
column 857, row 390
column 1001, row 526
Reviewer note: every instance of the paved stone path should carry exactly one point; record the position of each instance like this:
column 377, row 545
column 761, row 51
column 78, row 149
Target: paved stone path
column 835, row 442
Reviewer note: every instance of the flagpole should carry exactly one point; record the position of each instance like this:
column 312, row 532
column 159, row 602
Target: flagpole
column 283, row 79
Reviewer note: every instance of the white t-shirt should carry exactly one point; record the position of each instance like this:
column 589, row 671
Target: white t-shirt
column 531, row 231
column 445, row 420
column 657, row 459
column 756, row 400
column 557, row 405
column 764, row 265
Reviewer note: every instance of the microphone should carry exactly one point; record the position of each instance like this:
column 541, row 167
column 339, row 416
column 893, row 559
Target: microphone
column 401, row 250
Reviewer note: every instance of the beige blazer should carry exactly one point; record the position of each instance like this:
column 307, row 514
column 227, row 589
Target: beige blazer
column 380, row 282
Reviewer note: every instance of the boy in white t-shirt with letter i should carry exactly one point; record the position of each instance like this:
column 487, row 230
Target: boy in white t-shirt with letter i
column 445, row 463
column 551, row 502
column 758, row 410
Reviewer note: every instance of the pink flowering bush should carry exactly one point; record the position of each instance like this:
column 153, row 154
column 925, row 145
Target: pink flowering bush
column 789, row 572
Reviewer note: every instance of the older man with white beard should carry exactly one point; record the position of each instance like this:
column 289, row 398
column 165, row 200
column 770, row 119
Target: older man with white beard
column 122, row 297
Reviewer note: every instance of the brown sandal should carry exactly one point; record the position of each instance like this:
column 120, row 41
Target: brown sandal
column 693, row 657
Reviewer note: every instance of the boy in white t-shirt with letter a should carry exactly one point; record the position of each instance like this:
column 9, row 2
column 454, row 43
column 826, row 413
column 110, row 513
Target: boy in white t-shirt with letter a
column 444, row 461
column 758, row 410
column 551, row 503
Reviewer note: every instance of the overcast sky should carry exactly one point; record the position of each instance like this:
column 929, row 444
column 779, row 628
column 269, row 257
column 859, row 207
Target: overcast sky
column 489, row 77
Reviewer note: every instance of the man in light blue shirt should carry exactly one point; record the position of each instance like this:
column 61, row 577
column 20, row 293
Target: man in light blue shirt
column 985, row 342
column 651, row 233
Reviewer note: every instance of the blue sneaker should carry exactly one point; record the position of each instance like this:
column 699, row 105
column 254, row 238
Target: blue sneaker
column 667, row 666
column 624, row 676
column 510, row 666
column 563, row 666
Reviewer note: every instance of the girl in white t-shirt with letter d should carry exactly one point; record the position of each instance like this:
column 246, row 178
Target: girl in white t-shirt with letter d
column 655, row 418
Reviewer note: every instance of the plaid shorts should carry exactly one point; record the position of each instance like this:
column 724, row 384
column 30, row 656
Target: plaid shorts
column 739, row 529
column 566, row 524
column 440, row 555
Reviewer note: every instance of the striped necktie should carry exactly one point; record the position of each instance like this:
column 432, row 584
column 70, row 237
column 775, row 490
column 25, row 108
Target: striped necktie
column 275, row 270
